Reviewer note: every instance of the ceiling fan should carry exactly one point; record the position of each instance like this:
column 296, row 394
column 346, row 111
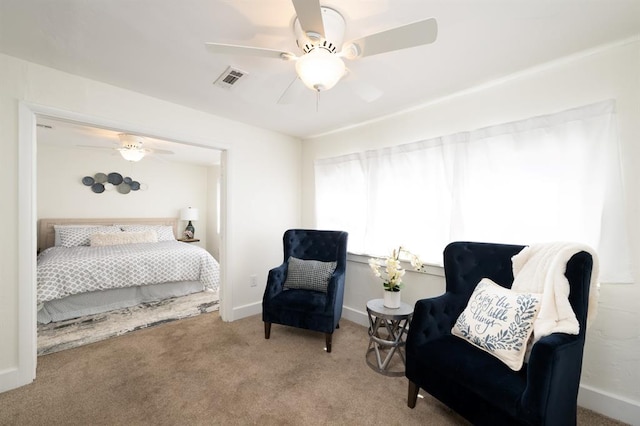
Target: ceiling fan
column 319, row 33
column 131, row 147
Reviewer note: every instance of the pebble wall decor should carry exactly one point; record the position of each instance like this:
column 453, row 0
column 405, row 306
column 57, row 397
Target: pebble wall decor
column 101, row 182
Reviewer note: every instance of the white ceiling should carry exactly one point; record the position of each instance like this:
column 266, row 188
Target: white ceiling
column 156, row 47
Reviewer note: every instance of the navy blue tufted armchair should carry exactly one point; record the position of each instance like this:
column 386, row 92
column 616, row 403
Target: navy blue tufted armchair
column 477, row 385
column 306, row 308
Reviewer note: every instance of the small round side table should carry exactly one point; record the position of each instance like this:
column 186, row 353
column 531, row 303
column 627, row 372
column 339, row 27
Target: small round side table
column 387, row 331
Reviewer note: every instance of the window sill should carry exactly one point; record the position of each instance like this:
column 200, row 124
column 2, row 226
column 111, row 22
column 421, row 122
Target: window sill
column 430, row 269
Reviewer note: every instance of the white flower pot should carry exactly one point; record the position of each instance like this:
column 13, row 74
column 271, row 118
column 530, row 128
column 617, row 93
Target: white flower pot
column 391, row 299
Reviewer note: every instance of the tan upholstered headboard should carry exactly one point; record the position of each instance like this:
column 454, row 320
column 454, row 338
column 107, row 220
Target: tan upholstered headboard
column 46, row 234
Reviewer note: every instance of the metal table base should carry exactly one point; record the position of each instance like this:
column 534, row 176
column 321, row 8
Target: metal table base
column 387, row 329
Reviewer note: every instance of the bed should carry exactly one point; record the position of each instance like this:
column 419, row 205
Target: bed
column 90, row 266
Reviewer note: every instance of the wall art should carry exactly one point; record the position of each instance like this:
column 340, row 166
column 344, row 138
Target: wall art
column 101, row 182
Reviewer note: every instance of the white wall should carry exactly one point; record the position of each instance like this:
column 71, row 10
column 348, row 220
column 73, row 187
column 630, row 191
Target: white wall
column 610, row 373
column 253, row 242
column 170, row 186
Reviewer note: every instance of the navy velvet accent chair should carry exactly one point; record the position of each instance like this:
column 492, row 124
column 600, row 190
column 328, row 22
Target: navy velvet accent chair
column 477, row 385
column 303, row 308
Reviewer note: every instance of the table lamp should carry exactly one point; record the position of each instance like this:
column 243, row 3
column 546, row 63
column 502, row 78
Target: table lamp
column 189, row 213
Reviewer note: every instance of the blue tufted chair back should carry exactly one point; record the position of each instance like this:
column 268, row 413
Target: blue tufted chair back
column 310, row 244
column 466, row 263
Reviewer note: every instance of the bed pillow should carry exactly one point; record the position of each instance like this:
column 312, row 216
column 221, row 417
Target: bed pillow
column 56, row 234
column 499, row 321
column 165, row 232
column 102, row 239
column 309, row 274
column 78, row 235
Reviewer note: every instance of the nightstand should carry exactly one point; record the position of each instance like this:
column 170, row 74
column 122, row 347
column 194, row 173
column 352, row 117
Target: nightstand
column 188, row 240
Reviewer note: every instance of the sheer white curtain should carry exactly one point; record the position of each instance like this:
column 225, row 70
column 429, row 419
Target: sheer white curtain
column 549, row 178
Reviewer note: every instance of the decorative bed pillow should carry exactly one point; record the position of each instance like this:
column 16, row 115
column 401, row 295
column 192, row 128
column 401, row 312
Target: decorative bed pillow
column 101, row 239
column 499, row 321
column 165, row 232
column 309, row 274
column 56, row 232
column 73, row 236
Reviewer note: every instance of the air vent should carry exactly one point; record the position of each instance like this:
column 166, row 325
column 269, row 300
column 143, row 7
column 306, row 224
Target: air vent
column 230, row 77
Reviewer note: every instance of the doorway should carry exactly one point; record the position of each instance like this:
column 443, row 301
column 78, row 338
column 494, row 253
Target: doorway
column 29, row 116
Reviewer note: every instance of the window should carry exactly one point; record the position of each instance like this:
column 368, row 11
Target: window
column 548, row 178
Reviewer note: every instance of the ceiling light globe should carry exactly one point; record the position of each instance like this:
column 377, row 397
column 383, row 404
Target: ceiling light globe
column 133, row 154
column 320, row 69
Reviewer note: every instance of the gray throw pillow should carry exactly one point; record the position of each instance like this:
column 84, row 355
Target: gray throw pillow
column 309, row 274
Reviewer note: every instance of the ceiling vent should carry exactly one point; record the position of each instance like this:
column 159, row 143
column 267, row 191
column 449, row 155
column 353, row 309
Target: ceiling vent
column 230, row 77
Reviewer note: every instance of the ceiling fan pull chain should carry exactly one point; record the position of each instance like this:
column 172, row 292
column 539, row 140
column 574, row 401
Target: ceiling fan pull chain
column 317, row 100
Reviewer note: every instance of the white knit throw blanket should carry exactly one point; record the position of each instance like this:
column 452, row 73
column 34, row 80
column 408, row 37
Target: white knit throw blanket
column 540, row 268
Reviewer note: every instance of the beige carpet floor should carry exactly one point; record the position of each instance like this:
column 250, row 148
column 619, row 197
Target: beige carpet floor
column 202, row 371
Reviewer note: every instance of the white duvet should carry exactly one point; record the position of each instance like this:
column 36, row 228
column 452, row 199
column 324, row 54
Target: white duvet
column 63, row 271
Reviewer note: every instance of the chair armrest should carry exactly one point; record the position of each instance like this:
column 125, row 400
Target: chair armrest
column 335, row 289
column 553, row 378
column 275, row 281
column 433, row 318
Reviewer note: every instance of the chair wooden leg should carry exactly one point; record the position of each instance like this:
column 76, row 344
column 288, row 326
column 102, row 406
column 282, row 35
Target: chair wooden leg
column 267, row 330
column 328, row 337
column 413, row 394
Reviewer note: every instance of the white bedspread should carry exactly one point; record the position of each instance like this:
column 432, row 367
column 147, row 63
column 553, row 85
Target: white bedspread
column 540, row 268
column 63, row 271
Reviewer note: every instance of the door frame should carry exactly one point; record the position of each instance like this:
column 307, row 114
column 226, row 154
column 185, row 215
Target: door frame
column 27, row 221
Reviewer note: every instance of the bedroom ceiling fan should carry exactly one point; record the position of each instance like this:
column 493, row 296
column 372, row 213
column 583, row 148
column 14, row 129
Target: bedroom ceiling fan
column 319, row 33
column 131, row 147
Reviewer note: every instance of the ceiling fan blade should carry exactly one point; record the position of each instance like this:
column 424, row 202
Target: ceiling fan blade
column 231, row 49
column 158, row 151
column 310, row 16
column 411, row 35
column 363, row 90
column 293, row 92
column 96, row 147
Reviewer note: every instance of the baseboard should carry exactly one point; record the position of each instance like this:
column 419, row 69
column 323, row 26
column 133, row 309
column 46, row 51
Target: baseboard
column 355, row 315
column 8, row 379
column 12, row 379
column 609, row 405
column 246, row 310
column 251, row 309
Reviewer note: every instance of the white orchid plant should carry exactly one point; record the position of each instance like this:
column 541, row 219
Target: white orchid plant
column 393, row 271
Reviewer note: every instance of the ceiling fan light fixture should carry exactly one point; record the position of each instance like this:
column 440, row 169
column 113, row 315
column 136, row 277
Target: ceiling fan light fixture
column 131, row 147
column 132, row 154
column 320, row 69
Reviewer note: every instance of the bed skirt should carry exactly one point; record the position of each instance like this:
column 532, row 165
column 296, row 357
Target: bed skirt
column 96, row 302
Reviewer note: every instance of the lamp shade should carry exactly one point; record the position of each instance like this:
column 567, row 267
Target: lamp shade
column 320, row 69
column 189, row 213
